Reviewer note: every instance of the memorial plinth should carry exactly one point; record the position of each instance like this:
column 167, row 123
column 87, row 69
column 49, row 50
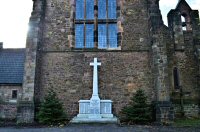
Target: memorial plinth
column 95, row 109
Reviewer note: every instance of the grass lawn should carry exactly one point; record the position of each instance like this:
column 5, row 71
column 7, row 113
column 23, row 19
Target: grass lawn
column 187, row 123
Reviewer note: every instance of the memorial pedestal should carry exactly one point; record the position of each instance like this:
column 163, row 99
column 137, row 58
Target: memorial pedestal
column 85, row 115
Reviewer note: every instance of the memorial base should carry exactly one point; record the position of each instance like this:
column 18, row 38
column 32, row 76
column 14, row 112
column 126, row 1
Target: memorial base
column 85, row 115
column 93, row 120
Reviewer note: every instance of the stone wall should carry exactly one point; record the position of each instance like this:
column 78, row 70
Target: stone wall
column 120, row 75
column 190, row 110
column 6, row 92
column 187, row 95
column 26, row 104
column 188, row 67
column 58, row 25
column 136, row 25
column 8, row 106
column 67, row 70
column 8, row 111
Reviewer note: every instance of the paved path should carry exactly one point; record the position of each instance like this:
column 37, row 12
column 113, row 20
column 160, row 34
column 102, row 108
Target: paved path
column 102, row 128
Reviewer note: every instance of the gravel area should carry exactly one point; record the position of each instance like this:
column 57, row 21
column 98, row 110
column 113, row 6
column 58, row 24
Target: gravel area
column 101, row 128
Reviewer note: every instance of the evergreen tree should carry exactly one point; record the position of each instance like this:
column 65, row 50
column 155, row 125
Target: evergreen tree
column 138, row 111
column 51, row 111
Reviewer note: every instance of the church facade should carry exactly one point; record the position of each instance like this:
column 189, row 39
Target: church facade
column 135, row 48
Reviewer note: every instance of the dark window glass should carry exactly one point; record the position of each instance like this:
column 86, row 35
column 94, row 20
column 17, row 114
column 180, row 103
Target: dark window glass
column 14, row 94
column 89, row 35
column 79, row 35
column 102, row 36
column 79, row 9
column 89, row 9
column 176, row 78
column 101, row 9
column 112, row 6
column 112, row 34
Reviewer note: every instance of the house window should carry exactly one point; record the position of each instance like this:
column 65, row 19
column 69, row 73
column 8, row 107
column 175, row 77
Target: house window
column 14, row 94
column 101, row 29
column 176, row 78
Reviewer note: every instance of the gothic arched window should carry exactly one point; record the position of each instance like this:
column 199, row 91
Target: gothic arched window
column 183, row 23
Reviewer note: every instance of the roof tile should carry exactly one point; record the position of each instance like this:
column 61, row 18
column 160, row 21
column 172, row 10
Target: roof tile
column 12, row 65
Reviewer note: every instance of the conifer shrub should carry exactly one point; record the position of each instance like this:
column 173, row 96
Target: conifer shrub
column 51, row 111
column 138, row 111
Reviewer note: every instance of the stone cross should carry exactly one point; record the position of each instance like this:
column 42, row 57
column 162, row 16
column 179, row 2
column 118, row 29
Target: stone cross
column 95, row 109
column 95, row 100
column 95, row 64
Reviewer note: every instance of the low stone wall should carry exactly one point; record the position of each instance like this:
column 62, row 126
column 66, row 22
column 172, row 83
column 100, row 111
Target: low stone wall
column 8, row 111
column 190, row 110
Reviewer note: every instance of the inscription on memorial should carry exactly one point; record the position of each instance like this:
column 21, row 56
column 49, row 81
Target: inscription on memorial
column 95, row 106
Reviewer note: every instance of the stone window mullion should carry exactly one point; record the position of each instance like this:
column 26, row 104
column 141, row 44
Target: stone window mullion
column 119, row 23
column 84, row 40
column 95, row 24
column 85, row 10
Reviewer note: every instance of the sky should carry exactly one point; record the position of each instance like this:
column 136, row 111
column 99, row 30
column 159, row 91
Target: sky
column 167, row 5
column 15, row 14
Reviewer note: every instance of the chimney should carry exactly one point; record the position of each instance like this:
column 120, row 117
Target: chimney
column 1, row 45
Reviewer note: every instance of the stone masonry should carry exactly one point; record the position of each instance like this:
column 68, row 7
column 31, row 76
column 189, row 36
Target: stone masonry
column 184, row 58
column 146, row 55
column 26, row 104
column 8, row 106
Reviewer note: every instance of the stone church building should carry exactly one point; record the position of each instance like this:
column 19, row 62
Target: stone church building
column 135, row 48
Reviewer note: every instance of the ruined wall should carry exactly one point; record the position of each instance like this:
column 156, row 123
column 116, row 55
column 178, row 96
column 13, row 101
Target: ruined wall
column 187, row 66
column 185, row 97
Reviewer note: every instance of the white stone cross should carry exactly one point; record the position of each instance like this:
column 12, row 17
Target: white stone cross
column 95, row 64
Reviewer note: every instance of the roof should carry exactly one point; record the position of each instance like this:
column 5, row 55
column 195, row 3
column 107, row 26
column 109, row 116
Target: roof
column 183, row 3
column 11, row 66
